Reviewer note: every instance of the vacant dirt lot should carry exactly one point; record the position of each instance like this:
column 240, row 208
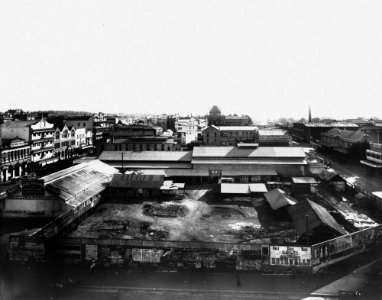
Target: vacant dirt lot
column 202, row 218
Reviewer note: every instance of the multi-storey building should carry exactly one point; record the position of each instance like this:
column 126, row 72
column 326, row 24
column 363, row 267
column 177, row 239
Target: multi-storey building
column 187, row 130
column 64, row 142
column 373, row 156
column 230, row 135
column 38, row 134
column 216, row 118
column 15, row 155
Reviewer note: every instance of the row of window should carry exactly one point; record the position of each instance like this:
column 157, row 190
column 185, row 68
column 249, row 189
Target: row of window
column 15, row 154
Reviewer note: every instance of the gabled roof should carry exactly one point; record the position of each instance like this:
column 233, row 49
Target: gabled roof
column 137, row 181
column 78, row 183
column 317, row 216
column 277, row 199
column 156, row 156
column 260, row 152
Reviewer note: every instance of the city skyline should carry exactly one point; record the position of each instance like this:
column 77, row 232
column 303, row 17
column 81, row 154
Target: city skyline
column 263, row 59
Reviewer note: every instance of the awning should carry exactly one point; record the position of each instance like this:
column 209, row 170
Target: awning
column 257, row 188
column 235, row 188
column 271, row 172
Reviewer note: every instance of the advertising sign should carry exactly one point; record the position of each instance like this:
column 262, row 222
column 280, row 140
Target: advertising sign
column 290, row 256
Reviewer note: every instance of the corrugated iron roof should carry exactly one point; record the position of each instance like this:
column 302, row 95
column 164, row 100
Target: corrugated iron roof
column 146, row 156
column 258, row 188
column 277, row 199
column 317, row 216
column 260, row 152
column 137, row 181
column 78, row 183
column 235, row 188
column 248, row 172
column 310, row 180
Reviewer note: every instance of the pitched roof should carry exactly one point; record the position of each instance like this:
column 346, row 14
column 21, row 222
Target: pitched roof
column 310, row 180
column 78, row 183
column 137, row 181
column 277, row 199
column 18, row 124
column 215, row 110
column 260, row 152
column 184, row 156
column 317, row 216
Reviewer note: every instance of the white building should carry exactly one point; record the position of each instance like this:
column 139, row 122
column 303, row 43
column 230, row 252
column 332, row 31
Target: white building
column 187, row 130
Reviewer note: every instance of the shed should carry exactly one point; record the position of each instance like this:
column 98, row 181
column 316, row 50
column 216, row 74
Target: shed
column 334, row 179
column 308, row 216
column 277, row 199
column 135, row 186
column 303, row 185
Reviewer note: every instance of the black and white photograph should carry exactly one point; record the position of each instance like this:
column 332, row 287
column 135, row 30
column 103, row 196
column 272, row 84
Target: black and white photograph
column 190, row 149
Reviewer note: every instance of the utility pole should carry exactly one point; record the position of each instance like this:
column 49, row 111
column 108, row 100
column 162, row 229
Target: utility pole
column 123, row 171
column 307, row 230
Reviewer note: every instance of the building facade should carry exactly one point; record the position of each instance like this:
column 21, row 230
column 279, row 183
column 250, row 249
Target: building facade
column 230, row 135
column 274, row 137
column 64, row 142
column 186, row 131
column 15, row 155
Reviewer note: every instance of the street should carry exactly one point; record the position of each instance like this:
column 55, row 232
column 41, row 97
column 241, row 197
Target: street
column 363, row 176
column 362, row 273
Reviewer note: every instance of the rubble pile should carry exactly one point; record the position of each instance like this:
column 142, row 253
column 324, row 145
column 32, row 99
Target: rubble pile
column 164, row 210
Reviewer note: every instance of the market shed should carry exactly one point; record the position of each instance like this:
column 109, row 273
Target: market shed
column 277, row 199
column 133, row 186
column 310, row 217
column 303, row 185
column 77, row 184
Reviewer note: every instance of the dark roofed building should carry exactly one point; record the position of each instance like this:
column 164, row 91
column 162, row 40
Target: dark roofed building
column 134, row 186
column 309, row 217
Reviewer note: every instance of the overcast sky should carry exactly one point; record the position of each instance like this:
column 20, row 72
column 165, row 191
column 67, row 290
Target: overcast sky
column 267, row 59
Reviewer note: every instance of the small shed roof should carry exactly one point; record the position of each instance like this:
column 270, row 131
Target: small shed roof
column 277, row 199
column 257, row 188
column 235, row 188
column 309, row 180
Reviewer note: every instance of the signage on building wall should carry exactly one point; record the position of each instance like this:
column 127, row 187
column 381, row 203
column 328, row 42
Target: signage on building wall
column 290, row 256
column 33, row 187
